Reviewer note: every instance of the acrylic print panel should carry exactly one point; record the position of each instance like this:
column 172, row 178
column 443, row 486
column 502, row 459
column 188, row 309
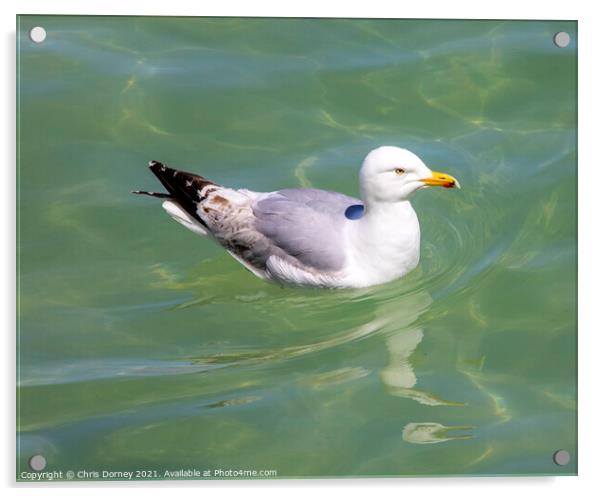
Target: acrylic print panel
column 145, row 351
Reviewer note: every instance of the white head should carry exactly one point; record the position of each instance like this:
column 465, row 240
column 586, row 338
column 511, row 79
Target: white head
column 392, row 174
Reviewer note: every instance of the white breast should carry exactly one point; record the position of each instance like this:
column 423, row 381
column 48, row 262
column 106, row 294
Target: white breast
column 382, row 246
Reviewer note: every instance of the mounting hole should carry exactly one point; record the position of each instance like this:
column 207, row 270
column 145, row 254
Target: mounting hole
column 37, row 462
column 37, row 34
column 562, row 457
column 562, row 39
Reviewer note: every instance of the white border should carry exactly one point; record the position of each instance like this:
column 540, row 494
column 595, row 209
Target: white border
column 509, row 9
column 590, row 224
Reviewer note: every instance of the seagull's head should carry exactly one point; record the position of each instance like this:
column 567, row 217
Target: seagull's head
column 392, row 174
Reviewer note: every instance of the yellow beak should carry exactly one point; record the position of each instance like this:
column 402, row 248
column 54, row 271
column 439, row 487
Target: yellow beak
column 441, row 179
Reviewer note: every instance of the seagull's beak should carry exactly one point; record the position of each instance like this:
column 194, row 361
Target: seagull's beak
column 441, row 179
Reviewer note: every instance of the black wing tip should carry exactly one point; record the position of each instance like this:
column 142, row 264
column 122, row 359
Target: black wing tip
column 182, row 187
column 159, row 170
column 151, row 193
column 155, row 165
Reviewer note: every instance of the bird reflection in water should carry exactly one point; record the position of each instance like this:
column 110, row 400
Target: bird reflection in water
column 402, row 339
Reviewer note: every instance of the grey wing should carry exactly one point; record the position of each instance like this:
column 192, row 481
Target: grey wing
column 305, row 224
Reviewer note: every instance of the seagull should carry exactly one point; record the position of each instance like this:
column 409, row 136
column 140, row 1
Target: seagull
column 312, row 237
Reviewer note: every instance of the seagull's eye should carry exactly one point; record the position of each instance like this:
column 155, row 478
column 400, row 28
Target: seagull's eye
column 399, row 172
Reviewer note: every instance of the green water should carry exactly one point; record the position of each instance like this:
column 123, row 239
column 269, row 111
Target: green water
column 143, row 346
